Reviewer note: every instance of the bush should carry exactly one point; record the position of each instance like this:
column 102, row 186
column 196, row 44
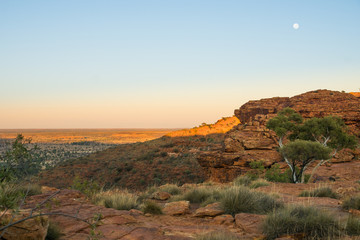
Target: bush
column 53, row 232
column 10, row 195
column 151, row 207
column 274, row 174
column 198, row 195
column 218, row 235
column 89, row 188
column 243, row 180
column 239, row 199
column 352, row 203
column 30, row 189
column 259, row 183
column 311, row 222
column 319, row 192
column 173, row 189
column 352, row 226
column 120, row 200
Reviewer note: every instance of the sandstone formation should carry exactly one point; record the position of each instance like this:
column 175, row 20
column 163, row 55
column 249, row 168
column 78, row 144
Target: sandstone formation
column 252, row 141
column 210, row 210
column 177, row 208
column 33, row 228
column 221, row 126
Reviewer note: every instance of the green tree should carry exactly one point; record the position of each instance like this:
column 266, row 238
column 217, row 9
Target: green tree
column 312, row 140
column 20, row 161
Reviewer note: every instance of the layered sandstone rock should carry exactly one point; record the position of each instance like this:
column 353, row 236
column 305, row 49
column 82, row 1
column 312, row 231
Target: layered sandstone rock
column 252, row 141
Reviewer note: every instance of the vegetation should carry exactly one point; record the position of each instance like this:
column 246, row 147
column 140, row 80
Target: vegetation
column 151, row 207
column 259, row 183
column 243, row 180
column 218, row 235
column 239, row 199
column 53, row 232
column 352, row 203
column 200, row 194
column 89, row 188
column 118, row 199
column 319, row 192
column 353, row 226
column 309, row 221
column 317, row 139
column 173, row 189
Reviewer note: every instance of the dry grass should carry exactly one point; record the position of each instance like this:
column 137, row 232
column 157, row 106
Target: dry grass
column 117, row 199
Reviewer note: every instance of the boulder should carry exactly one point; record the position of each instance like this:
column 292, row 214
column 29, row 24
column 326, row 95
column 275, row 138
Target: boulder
column 210, row 210
column 161, row 196
column 249, row 223
column 177, row 208
column 33, row 228
column 225, row 219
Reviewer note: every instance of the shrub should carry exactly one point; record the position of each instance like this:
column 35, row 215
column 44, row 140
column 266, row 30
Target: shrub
column 352, row 226
column 118, row 199
column 10, row 195
column 259, row 183
column 53, row 232
column 198, row 195
column 89, row 188
column 241, row 199
column 151, row 207
column 319, row 192
column 352, row 203
column 274, row 174
column 218, row 235
column 311, row 222
column 30, row 189
column 243, row 180
column 173, row 189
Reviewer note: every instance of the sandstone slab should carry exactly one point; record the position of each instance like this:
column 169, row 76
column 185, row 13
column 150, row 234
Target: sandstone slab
column 177, row 208
column 210, row 210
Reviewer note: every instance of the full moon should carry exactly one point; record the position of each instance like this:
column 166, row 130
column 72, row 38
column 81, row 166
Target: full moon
column 296, row 26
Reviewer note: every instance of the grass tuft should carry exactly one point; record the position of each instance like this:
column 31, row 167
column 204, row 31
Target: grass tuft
column 243, row 180
column 53, row 232
column 307, row 221
column 151, row 207
column 239, row 199
column 353, row 226
column 259, row 183
column 173, row 189
column 352, row 203
column 117, row 199
column 320, row 192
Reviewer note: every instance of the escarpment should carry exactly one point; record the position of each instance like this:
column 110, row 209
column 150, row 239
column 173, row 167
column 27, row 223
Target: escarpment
column 252, row 141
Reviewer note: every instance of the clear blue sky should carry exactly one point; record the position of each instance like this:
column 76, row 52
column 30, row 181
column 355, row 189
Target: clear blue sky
column 131, row 63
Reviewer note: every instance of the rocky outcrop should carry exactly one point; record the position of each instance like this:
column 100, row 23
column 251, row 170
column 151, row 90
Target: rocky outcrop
column 252, row 141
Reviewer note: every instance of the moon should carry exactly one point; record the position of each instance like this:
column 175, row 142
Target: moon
column 296, row 26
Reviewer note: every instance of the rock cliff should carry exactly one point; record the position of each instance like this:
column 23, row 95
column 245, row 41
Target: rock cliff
column 252, row 141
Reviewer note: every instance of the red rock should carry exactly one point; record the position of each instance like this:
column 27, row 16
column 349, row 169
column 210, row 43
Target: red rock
column 225, row 219
column 210, row 210
column 249, row 223
column 161, row 196
column 177, row 208
column 252, row 141
column 33, row 228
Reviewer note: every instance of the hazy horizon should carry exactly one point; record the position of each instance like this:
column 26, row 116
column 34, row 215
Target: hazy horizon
column 167, row 64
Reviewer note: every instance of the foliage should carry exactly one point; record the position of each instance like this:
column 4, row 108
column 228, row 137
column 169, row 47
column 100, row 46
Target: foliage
column 352, row 203
column 274, row 174
column 311, row 140
column 198, row 195
column 259, row 183
column 239, row 199
column 88, row 187
column 30, row 189
column 243, row 180
column 320, row 192
column 10, row 195
column 151, row 207
column 20, row 161
column 353, row 226
column 173, row 189
column 218, row 235
column 117, row 199
column 301, row 153
column 53, row 232
column 311, row 222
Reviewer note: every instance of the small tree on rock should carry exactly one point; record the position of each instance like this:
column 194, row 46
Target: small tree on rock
column 315, row 139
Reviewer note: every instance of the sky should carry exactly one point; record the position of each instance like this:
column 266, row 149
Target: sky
column 167, row 64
